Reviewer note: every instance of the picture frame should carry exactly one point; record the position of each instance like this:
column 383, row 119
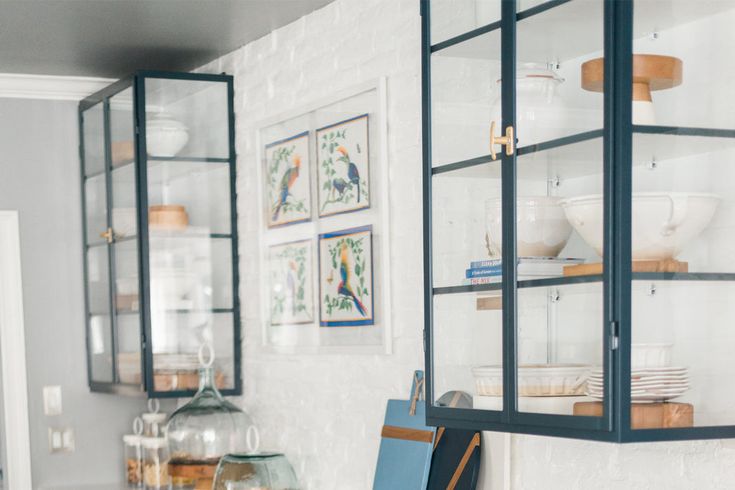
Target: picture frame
column 289, row 338
column 290, row 270
column 346, row 289
column 288, row 180
column 343, row 166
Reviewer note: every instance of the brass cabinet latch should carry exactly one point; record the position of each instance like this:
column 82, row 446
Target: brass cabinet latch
column 508, row 141
column 108, row 235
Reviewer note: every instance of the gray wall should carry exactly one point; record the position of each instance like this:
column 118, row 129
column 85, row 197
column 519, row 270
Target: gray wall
column 39, row 177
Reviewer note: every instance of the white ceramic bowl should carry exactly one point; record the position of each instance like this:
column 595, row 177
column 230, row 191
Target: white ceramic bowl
column 663, row 222
column 165, row 136
column 124, row 221
column 650, row 355
column 534, row 379
column 542, row 227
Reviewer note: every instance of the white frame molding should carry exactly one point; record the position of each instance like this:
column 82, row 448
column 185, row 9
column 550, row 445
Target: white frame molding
column 13, row 357
column 49, row 87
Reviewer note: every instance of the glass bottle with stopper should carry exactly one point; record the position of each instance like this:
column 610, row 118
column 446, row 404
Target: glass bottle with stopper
column 205, row 429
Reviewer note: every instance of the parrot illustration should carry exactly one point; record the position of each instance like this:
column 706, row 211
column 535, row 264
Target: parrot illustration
column 343, row 287
column 339, row 185
column 352, row 173
column 287, row 181
column 291, row 285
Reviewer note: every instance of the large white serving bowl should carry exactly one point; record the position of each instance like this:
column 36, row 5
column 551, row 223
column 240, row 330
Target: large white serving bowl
column 663, row 222
column 542, row 227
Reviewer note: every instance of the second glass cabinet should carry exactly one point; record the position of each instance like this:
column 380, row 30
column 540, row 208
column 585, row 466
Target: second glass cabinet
column 160, row 233
column 580, row 216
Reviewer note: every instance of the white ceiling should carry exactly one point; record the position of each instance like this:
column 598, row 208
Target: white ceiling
column 112, row 38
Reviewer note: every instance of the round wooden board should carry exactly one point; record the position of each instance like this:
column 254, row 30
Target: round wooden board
column 657, row 71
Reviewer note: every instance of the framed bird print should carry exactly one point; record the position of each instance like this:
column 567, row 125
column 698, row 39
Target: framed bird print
column 287, row 175
column 290, row 283
column 346, row 278
column 343, row 166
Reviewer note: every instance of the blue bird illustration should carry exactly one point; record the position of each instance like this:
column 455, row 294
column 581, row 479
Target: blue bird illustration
column 287, row 181
column 344, row 287
column 352, row 173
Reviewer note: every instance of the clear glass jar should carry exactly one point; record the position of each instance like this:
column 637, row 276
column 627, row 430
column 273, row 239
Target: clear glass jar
column 133, row 451
column 155, row 463
column 205, row 429
column 255, row 472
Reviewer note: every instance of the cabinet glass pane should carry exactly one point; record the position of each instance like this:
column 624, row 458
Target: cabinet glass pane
column 465, row 98
column 682, row 350
column 450, row 18
column 100, row 348
column 177, row 337
column 555, row 94
column 122, row 150
column 93, row 124
column 128, row 346
column 189, row 194
column 678, row 82
column 467, row 226
column 560, row 348
column 95, row 212
column 683, row 208
column 186, row 119
column 468, row 349
column 98, row 280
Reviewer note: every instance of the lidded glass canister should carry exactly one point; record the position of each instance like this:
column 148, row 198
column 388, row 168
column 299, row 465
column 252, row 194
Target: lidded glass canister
column 205, row 429
column 155, row 463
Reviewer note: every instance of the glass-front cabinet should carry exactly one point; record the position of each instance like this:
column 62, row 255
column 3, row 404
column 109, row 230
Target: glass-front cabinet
column 160, row 233
column 579, row 213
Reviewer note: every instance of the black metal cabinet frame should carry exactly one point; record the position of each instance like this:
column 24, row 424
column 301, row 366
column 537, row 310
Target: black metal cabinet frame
column 137, row 83
column 617, row 132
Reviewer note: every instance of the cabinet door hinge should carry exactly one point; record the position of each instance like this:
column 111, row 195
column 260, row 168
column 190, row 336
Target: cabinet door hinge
column 614, row 335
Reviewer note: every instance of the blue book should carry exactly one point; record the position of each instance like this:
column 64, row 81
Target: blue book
column 484, row 271
column 477, row 264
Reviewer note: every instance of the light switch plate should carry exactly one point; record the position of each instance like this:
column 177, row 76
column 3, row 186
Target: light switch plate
column 52, row 400
column 61, row 439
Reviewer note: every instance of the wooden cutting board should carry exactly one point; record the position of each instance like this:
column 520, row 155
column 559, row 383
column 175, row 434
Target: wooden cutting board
column 647, row 415
column 668, row 265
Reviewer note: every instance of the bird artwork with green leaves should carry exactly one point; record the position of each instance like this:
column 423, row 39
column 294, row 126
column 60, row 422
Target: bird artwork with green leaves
column 343, row 166
column 290, row 275
column 288, row 198
column 346, row 278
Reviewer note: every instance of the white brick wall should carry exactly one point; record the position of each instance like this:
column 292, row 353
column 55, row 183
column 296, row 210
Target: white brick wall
column 326, row 411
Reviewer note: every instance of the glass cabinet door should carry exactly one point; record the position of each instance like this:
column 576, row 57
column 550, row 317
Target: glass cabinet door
column 560, row 319
column 124, row 216
column 516, row 142
column 683, row 215
column 189, row 231
column 467, row 317
column 96, row 224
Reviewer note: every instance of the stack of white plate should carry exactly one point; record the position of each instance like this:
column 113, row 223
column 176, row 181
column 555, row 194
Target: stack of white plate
column 652, row 384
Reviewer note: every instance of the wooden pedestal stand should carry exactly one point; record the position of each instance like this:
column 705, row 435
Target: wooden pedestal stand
column 666, row 265
column 650, row 72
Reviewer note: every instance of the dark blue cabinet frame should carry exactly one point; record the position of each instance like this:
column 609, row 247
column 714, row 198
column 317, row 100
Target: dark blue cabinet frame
column 617, row 132
column 137, row 82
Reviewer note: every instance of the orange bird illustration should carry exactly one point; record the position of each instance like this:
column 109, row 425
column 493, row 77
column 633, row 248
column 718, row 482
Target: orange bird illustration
column 287, row 181
column 343, row 287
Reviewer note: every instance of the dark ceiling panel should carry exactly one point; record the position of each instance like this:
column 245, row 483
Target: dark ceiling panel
column 112, row 38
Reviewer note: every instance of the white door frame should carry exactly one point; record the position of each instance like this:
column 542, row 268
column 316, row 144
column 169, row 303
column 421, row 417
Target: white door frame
column 13, row 357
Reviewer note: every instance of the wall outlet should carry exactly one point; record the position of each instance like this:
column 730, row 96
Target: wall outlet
column 60, row 439
column 52, row 400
